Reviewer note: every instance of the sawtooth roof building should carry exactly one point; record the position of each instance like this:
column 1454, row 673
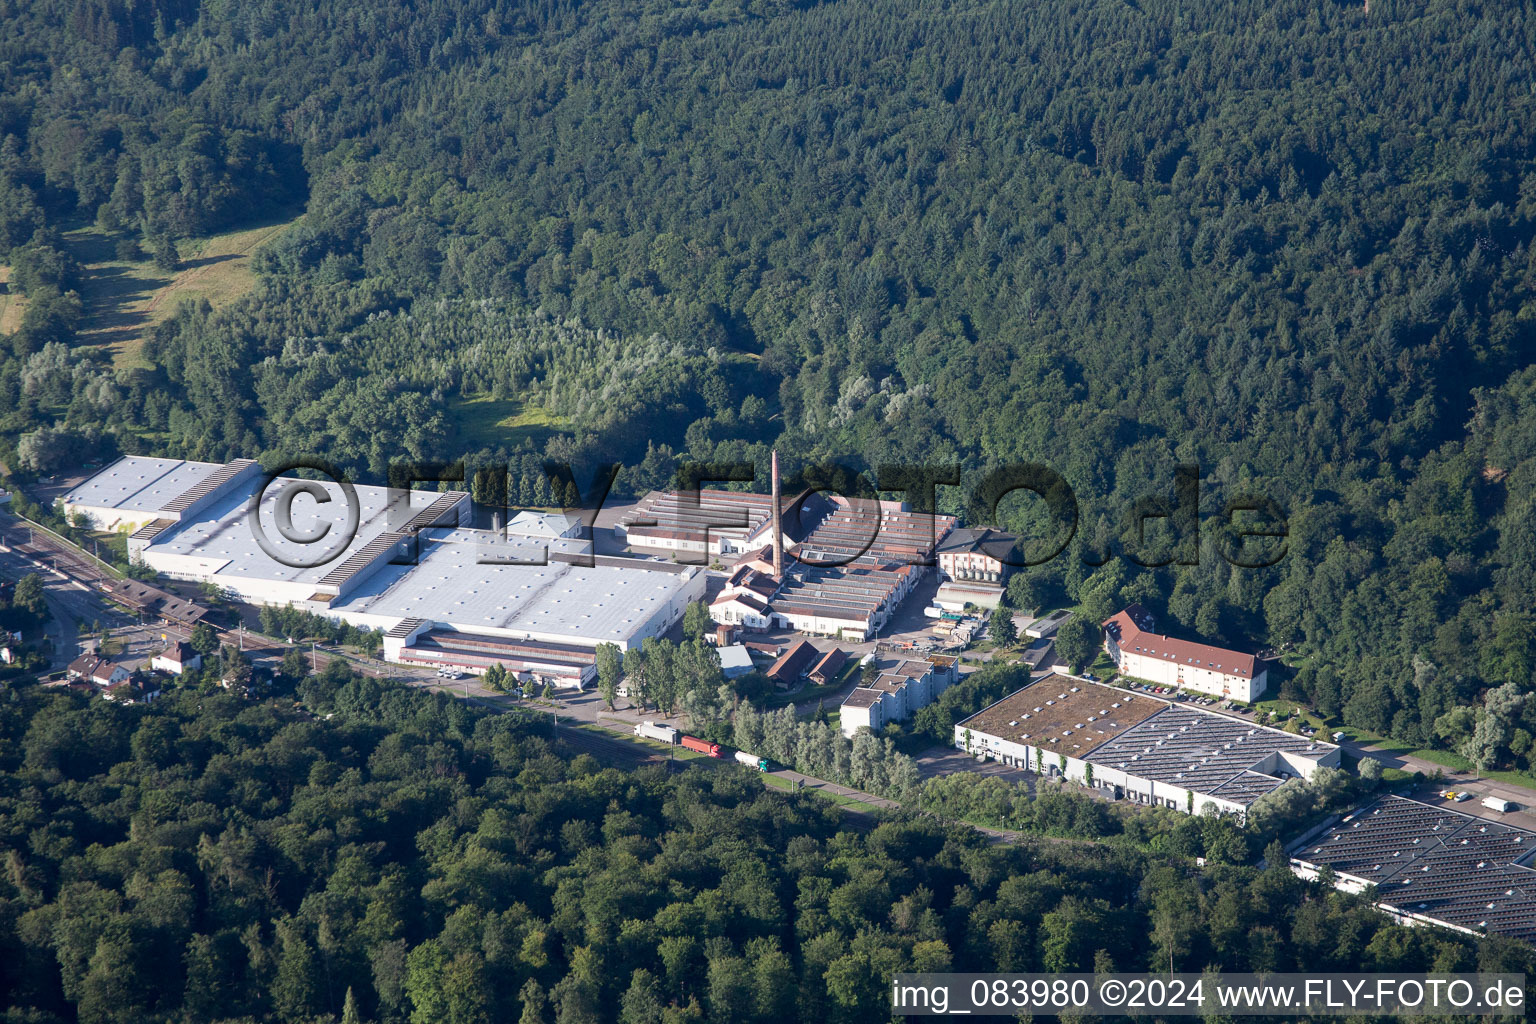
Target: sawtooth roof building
column 856, row 565
column 699, row 523
column 1429, row 865
column 1141, row 748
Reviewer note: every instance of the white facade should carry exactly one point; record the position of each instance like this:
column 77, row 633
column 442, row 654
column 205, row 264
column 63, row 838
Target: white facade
column 1208, row 759
column 1187, row 676
column 864, row 709
column 166, row 662
column 897, row 694
column 733, row 611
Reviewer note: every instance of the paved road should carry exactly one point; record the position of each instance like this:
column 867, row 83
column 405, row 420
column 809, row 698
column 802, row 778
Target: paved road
column 73, row 607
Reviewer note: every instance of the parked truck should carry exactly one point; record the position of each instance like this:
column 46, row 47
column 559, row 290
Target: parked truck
column 752, row 760
column 702, row 746
column 651, row 730
column 1498, row 803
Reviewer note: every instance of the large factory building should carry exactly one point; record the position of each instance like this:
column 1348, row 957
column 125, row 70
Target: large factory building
column 530, row 596
column 1138, row 747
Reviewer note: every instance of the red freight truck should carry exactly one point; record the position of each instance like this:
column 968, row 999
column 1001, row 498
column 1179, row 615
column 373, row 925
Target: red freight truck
column 702, row 746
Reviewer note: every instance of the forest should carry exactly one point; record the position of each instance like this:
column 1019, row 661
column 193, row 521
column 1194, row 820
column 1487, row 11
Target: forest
column 1289, row 243
column 372, row 853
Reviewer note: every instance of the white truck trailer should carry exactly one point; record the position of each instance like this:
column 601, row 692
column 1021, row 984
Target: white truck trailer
column 752, row 760
column 1497, row 803
column 651, row 730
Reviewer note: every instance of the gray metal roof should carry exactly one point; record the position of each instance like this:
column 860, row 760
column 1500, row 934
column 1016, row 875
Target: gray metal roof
column 1443, row 864
column 137, row 483
column 452, row 584
column 1204, row 752
column 222, row 533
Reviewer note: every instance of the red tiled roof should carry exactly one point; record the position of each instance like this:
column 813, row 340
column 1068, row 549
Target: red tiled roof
column 742, row 598
column 1134, row 640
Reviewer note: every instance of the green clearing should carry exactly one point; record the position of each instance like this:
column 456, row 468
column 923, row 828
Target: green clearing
column 125, row 298
column 12, row 304
column 504, row 422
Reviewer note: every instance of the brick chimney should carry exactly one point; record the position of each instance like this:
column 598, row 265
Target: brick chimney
column 778, row 521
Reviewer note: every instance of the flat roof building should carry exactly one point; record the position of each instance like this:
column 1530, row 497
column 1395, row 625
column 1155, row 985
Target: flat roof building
column 1145, row 749
column 409, row 568
column 136, row 490
column 897, row 693
column 735, row 660
column 1430, row 865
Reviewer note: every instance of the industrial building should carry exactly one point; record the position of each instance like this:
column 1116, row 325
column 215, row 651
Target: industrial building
column 1429, row 865
column 897, row 693
column 1143, row 749
column 975, row 555
column 137, row 490
column 701, row 524
column 531, row 596
column 861, row 532
column 844, row 580
column 1183, row 664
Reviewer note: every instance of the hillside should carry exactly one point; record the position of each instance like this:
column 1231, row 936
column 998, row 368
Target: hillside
column 1288, row 242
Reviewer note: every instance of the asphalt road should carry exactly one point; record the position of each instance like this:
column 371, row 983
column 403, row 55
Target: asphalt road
column 73, row 606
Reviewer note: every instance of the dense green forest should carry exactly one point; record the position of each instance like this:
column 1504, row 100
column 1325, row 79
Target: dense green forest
column 413, row 859
column 1289, row 242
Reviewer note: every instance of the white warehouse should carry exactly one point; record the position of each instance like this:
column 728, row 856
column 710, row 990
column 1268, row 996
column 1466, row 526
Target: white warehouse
column 1140, row 748
column 532, row 596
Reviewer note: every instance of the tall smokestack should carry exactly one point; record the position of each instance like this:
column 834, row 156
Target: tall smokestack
column 778, row 521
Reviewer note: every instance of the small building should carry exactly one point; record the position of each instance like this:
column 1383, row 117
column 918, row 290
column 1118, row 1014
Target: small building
column 7, row 656
column 1183, row 664
column 176, row 659
column 543, row 525
column 97, row 671
column 1047, row 625
column 1040, row 655
column 735, row 660
column 131, row 690
column 828, row 667
column 743, row 609
column 792, row 665
column 957, row 597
